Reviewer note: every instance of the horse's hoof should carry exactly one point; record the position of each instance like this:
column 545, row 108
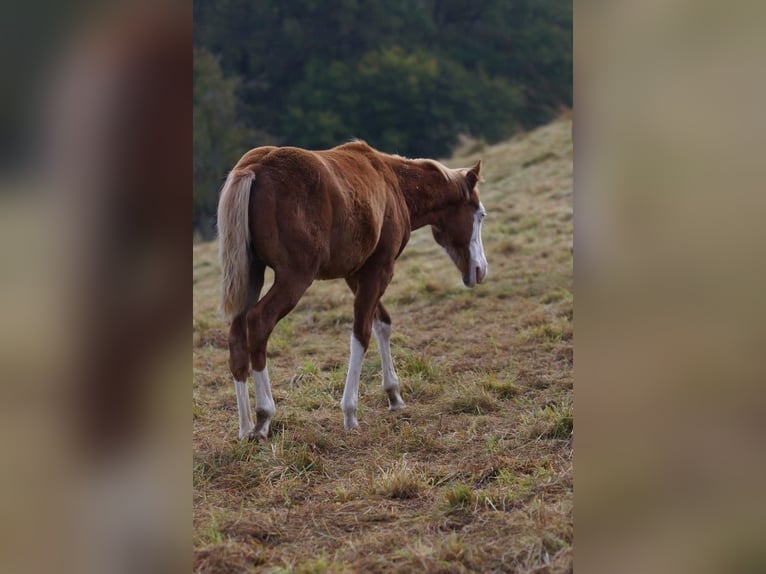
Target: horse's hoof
column 257, row 436
column 351, row 425
column 395, row 402
column 245, row 435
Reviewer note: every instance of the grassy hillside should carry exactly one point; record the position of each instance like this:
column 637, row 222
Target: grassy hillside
column 476, row 474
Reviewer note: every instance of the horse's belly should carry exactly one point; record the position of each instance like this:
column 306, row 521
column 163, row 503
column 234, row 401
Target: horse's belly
column 332, row 273
column 341, row 265
column 348, row 251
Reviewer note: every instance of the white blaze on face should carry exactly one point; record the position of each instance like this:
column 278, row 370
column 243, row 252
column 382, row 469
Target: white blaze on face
column 477, row 270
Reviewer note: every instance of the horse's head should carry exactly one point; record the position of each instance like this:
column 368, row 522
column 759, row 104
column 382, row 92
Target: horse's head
column 458, row 229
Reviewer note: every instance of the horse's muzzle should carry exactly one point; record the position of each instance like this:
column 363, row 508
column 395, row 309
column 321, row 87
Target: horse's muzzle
column 476, row 274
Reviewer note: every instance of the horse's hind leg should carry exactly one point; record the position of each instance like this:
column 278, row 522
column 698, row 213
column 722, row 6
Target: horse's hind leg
column 281, row 298
column 381, row 327
column 238, row 356
column 238, row 363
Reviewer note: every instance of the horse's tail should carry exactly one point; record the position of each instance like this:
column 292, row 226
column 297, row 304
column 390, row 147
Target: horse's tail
column 234, row 241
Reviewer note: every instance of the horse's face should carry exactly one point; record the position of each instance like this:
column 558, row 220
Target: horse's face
column 459, row 232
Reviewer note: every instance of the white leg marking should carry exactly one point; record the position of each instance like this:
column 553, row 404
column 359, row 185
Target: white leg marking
column 382, row 333
column 264, row 404
column 351, row 391
column 246, row 424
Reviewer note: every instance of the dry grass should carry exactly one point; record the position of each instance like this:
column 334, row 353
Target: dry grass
column 476, row 474
column 400, row 481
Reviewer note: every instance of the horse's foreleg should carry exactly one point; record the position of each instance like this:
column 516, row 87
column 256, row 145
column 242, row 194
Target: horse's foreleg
column 381, row 327
column 368, row 287
column 350, row 398
column 261, row 320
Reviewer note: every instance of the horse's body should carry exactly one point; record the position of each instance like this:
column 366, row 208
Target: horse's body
column 345, row 212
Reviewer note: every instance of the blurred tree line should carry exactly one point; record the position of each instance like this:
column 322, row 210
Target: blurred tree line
column 407, row 76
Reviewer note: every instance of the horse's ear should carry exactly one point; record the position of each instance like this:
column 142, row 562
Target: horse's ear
column 472, row 175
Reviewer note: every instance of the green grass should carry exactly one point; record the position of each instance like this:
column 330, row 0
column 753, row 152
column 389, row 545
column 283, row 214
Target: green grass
column 501, row 388
column 550, row 423
column 460, row 497
column 472, row 402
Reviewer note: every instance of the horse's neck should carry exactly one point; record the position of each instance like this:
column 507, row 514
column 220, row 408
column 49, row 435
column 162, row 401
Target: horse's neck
column 426, row 192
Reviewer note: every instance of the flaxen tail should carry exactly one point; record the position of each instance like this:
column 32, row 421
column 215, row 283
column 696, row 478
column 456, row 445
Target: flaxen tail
column 234, row 241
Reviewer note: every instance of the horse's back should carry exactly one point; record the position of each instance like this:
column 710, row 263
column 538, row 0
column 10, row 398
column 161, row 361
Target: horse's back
column 327, row 209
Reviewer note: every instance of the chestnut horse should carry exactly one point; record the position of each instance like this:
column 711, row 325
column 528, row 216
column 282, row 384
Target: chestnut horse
column 345, row 212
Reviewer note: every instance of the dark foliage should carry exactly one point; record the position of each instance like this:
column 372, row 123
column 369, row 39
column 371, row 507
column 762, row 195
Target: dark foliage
column 408, row 76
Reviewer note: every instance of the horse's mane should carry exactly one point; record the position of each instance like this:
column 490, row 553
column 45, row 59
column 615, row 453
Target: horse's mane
column 448, row 173
column 451, row 175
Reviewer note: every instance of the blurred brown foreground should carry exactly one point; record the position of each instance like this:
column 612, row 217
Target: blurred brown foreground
column 94, row 296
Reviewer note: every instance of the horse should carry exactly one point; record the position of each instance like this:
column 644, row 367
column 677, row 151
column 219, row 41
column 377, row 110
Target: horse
column 345, row 212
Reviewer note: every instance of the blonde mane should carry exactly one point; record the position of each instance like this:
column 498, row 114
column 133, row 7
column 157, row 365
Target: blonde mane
column 449, row 174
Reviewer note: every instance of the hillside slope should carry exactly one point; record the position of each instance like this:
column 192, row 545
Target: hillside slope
column 476, row 474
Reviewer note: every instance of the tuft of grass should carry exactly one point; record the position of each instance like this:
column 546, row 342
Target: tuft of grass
column 301, row 460
column 521, row 484
column 342, row 493
column 460, row 497
column 309, row 368
column 312, row 390
column 202, row 473
column 548, row 333
column 472, row 403
column 563, row 426
column 318, row 565
column 400, row 481
column 314, row 437
column 454, row 550
column 213, row 535
column 197, row 410
column 245, row 451
column 412, row 365
column 200, row 324
column 493, row 444
column 558, row 295
column 551, row 422
column 552, row 543
column 411, row 439
column 517, row 486
column 297, row 458
column 502, row 388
